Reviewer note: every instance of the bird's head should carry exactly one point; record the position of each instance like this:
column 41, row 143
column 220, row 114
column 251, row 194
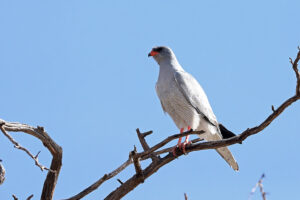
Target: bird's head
column 162, row 53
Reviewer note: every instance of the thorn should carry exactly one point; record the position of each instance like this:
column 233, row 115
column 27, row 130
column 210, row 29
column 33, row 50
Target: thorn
column 147, row 133
column 120, row 181
column 28, row 198
column 273, row 109
column 37, row 155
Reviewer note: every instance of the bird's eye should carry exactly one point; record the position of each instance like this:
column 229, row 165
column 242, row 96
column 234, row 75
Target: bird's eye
column 158, row 49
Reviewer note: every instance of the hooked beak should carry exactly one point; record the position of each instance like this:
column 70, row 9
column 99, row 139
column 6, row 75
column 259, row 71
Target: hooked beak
column 152, row 53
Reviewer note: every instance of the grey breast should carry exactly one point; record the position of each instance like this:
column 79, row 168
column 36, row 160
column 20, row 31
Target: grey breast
column 174, row 102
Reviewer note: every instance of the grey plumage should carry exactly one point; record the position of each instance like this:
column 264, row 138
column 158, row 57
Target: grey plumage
column 183, row 98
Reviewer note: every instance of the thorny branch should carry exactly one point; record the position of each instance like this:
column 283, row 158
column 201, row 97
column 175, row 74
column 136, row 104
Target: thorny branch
column 158, row 162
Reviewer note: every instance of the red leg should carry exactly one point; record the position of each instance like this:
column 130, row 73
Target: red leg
column 186, row 141
column 178, row 144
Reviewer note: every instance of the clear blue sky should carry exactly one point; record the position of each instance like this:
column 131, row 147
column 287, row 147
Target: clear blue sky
column 80, row 69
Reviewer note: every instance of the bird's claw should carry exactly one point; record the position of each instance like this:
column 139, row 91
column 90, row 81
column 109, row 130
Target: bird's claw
column 183, row 145
column 174, row 151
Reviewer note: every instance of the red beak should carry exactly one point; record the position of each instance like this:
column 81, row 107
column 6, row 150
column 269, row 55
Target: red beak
column 152, row 53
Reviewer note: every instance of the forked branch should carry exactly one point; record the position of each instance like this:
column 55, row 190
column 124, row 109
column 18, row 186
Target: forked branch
column 55, row 150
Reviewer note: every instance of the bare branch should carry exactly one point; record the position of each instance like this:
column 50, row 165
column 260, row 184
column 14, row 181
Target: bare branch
column 18, row 146
column 95, row 185
column 185, row 196
column 144, row 144
column 2, row 173
column 28, row 198
column 106, row 177
column 261, row 188
column 167, row 140
column 55, row 150
column 146, row 133
column 136, row 162
column 169, row 149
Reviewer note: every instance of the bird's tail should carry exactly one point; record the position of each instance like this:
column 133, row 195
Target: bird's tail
column 228, row 157
column 223, row 151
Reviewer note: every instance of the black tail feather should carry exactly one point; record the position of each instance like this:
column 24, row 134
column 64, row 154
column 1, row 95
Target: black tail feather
column 225, row 132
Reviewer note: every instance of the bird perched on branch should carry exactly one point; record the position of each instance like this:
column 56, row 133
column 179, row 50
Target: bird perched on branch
column 183, row 98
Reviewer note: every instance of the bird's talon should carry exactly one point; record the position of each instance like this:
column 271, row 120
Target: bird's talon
column 174, row 151
column 183, row 145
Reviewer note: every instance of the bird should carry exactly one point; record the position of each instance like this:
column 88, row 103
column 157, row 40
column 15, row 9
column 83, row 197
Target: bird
column 183, row 99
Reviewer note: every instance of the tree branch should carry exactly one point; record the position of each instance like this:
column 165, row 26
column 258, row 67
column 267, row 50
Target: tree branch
column 95, row 185
column 2, row 173
column 18, row 146
column 136, row 163
column 144, row 144
column 55, row 150
column 261, row 188
column 185, row 196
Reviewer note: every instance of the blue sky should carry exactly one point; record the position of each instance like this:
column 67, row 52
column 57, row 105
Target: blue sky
column 80, row 69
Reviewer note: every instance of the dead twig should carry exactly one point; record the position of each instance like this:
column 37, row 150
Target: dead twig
column 261, row 188
column 28, row 198
column 144, row 144
column 2, row 173
column 95, row 185
column 55, row 150
column 18, row 146
column 136, row 163
column 185, row 196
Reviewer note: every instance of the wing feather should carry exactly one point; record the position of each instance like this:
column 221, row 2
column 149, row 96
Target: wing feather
column 195, row 96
